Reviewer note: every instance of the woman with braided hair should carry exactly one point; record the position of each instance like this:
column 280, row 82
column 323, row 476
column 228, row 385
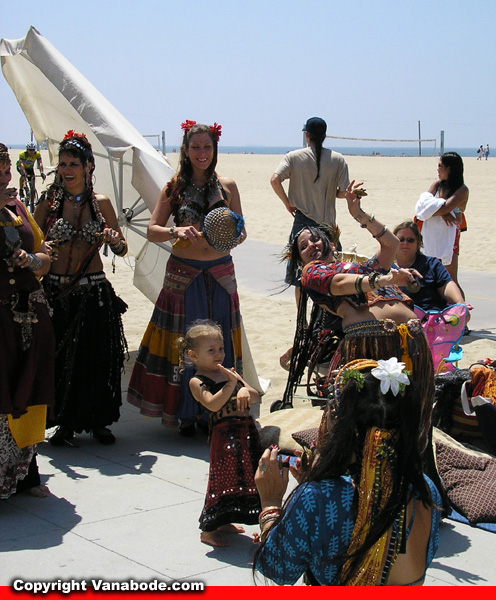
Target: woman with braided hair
column 199, row 282
column 363, row 513
column 86, row 311
column 376, row 317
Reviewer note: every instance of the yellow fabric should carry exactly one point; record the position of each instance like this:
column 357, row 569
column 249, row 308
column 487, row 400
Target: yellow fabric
column 37, row 233
column 405, row 357
column 373, row 493
column 29, row 429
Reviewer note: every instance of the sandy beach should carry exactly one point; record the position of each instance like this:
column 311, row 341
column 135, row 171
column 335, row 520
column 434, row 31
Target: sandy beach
column 393, row 185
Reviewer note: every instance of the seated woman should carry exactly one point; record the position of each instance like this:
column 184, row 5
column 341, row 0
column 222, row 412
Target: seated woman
column 363, row 512
column 437, row 289
column 377, row 317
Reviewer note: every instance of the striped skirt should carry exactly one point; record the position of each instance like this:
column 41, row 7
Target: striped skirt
column 192, row 290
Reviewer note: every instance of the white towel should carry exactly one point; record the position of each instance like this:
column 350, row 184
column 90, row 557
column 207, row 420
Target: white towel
column 438, row 237
column 427, row 205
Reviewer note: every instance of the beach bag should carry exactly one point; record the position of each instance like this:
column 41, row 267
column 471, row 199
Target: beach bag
column 444, row 329
column 465, row 404
column 479, row 400
column 448, row 414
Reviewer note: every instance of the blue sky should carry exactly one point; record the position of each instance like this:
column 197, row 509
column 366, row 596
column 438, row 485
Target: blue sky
column 260, row 68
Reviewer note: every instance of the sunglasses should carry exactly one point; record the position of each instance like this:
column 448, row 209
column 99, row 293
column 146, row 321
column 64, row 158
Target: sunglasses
column 409, row 240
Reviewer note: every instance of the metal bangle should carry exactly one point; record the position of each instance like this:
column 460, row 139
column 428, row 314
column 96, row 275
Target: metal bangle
column 35, row 262
column 379, row 235
column 119, row 248
column 373, row 277
column 358, row 284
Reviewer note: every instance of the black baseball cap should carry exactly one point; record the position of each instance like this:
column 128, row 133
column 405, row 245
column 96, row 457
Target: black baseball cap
column 315, row 126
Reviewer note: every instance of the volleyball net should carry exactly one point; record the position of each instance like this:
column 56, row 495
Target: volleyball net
column 389, row 141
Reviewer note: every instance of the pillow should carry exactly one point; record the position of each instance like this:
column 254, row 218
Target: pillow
column 468, row 478
column 306, row 438
column 277, row 428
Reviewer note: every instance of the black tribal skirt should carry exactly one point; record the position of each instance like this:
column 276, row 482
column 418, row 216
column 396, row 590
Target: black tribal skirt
column 90, row 350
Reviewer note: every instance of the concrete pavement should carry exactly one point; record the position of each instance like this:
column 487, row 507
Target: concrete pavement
column 130, row 511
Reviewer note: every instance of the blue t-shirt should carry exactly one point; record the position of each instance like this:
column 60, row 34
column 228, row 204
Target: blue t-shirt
column 435, row 276
column 317, row 528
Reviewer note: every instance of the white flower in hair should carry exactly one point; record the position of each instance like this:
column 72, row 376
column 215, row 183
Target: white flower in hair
column 391, row 374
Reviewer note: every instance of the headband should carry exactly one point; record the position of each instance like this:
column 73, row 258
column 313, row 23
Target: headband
column 71, row 138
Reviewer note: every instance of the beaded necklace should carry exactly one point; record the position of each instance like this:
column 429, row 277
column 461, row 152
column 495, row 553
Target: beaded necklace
column 56, row 198
column 78, row 201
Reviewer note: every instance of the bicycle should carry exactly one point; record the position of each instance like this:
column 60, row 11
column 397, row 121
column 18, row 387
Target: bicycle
column 30, row 192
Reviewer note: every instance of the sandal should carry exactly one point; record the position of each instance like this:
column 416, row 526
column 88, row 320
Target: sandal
column 104, row 436
column 62, row 436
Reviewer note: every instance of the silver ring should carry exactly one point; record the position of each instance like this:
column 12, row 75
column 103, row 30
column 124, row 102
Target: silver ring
column 264, row 468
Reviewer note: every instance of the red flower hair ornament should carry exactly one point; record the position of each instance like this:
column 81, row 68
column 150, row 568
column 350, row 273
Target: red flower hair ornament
column 187, row 125
column 72, row 134
column 215, row 129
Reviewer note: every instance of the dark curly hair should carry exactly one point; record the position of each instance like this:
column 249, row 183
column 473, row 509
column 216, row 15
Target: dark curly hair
column 329, row 236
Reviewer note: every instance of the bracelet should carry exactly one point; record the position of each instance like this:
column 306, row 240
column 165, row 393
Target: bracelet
column 358, row 284
column 373, row 277
column 119, row 248
column 35, row 263
column 268, row 519
column 372, row 218
column 267, row 511
column 363, row 225
column 171, row 231
column 265, row 528
column 379, row 235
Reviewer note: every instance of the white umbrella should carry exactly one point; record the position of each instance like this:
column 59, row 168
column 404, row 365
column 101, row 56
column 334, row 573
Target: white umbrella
column 55, row 98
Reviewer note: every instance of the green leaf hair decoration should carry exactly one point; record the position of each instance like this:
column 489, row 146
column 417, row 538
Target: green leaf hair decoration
column 353, row 374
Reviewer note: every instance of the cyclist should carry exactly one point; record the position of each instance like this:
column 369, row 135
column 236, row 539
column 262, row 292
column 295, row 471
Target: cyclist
column 25, row 165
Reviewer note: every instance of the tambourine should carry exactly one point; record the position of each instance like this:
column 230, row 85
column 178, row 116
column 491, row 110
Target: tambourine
column 222, row 229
